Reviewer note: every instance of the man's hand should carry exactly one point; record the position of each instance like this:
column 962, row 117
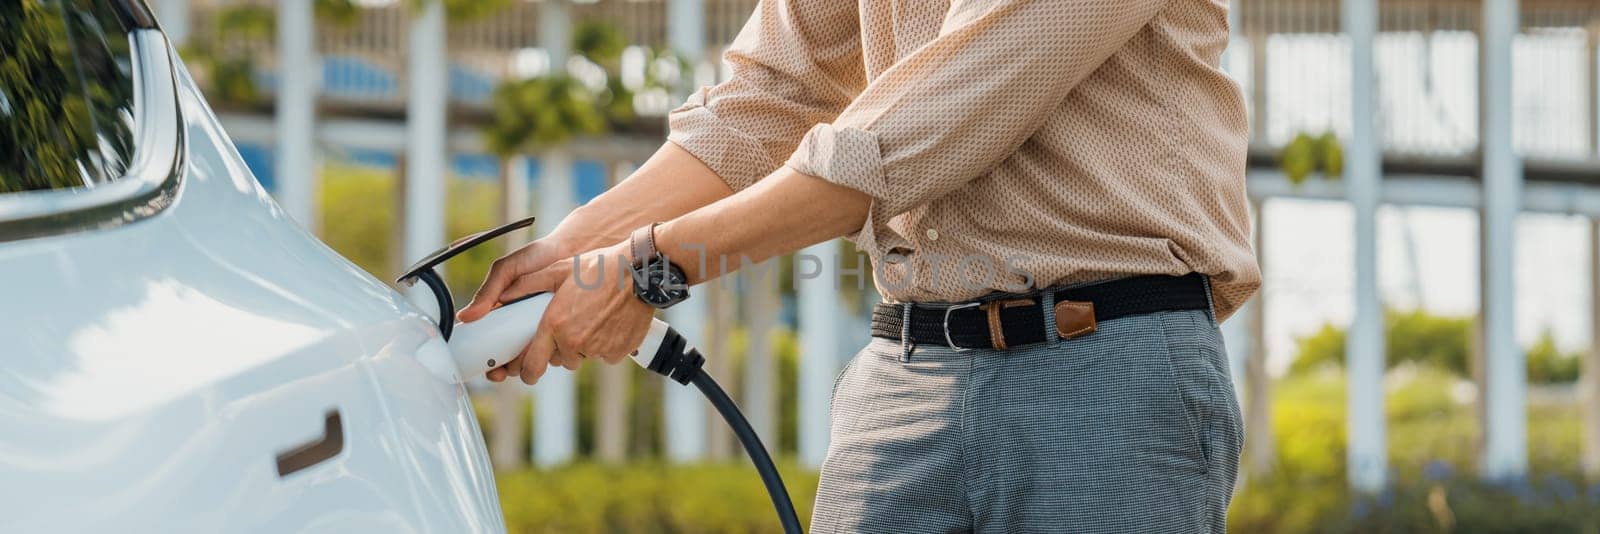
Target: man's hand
column 671, row 183
column 597, row 318
column 510, row 269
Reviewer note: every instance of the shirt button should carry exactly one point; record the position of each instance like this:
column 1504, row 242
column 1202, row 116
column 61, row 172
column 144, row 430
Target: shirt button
column 933, row 235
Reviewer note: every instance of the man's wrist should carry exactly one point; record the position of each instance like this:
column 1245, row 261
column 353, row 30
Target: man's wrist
column 688, row 255
column 656, row 280
column 584, row 230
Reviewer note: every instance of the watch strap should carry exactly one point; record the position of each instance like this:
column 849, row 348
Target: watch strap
column 642, row 244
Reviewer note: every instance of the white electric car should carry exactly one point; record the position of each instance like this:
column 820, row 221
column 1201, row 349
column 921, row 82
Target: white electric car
column 177, row 355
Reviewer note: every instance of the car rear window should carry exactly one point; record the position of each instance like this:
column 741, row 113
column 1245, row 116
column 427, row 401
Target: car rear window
column 66, row 95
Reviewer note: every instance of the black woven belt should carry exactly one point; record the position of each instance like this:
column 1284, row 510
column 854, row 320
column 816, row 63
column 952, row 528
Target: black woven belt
column 1022, row 317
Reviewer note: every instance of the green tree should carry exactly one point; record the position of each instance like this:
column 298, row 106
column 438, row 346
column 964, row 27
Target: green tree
column 1330, row 155
column 1440, row 342
column 1298, row 159
column 1410, row 336
column 1306, row 154
column 529, row 114
column 1420, row 337
column 466, row 10
column 1547, row 363
column 227, row 72
column 537, row 112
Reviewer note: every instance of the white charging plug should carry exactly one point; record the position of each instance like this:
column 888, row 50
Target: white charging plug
column 491, row 341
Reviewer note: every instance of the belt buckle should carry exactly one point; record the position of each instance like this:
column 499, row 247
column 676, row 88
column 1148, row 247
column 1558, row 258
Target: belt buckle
column 947, row 341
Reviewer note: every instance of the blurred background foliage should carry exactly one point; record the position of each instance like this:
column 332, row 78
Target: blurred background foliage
column 1440, row 342
column 533, row 113
column 358, row 219
column 1307, row 154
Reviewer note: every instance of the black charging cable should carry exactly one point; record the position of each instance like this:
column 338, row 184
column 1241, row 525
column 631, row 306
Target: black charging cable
column 683, row 364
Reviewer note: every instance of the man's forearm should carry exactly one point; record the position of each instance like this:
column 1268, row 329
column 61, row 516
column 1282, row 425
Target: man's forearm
column 671, row 183
column 778, row 215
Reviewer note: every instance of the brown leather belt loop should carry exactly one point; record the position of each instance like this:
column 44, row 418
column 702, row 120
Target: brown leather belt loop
column 997, row 335
column 1074, row 319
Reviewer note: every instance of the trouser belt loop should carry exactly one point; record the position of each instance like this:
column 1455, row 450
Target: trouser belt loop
column 1047, row 299
column 906, row 346
column 997, row 332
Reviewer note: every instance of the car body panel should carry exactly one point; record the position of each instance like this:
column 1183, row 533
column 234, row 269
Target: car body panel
column 151, row 373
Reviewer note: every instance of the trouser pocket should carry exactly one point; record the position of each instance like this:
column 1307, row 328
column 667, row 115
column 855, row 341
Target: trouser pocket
column 1203, row 394
column 837, row 379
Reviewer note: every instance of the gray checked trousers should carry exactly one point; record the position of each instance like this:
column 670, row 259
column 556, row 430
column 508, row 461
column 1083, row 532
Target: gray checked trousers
column 1134, row 428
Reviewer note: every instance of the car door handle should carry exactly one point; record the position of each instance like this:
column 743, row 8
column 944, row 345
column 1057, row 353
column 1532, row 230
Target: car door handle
column 317, row 450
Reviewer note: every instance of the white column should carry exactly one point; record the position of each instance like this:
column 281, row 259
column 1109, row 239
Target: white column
column 1591, row 363
column 555, row 32
column 1591, row 82
column 555, row 397
column 615, row 381
column 686, row 417
column 760, row 402
column 818, row 294
column 1235, row 21
column 1260, row 451
column 686, row 28
column 174, row 17
column 1258, row 85
column 426, row 99
column 515, row 197
column 683, row 409
column 1236, row 333
column 296, row 170
column 1505, row 454
column 1366, row 453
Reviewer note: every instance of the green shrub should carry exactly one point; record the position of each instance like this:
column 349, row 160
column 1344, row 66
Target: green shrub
column 358, row 220
column 1550, row 504
column 729, row 498
column 1431, row 444
column 649, row 497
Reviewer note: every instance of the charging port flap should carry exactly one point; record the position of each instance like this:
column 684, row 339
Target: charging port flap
column 424, row 270
column 458, row 246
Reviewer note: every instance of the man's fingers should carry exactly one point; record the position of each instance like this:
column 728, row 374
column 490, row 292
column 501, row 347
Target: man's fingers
column 497, row 374
column 488, row 294
column 536, row 357
column 571, row 360
column 544, row 280
column 514, row 367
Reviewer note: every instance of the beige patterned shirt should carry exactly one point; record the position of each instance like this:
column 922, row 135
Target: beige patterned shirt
column 1005, row 143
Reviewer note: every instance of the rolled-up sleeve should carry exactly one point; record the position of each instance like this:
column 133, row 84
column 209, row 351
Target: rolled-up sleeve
column 956, row 107
column 794, row 64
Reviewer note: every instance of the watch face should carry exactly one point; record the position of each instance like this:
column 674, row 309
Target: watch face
column 662, row 284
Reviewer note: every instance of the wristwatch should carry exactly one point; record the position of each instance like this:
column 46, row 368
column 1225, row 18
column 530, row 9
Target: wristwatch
column 656, row 281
